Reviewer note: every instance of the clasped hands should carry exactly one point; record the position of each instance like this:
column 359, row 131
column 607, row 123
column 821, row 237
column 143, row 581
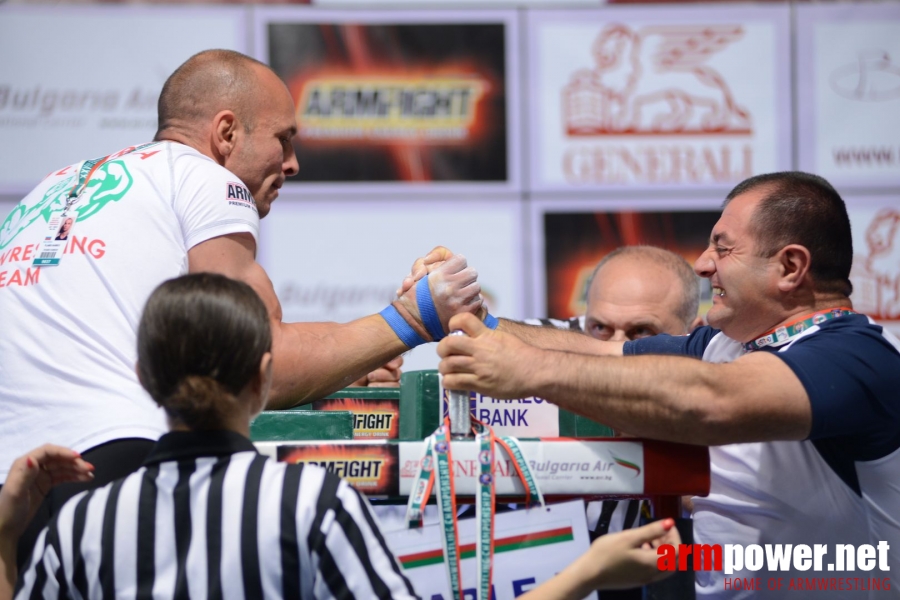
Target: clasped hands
column 485, row 360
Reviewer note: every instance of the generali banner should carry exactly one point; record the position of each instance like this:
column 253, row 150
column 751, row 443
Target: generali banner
column 848, row 75
column 80, row 83
column 658, row 97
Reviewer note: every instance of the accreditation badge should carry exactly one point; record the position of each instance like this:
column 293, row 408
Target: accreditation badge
column 56, row 238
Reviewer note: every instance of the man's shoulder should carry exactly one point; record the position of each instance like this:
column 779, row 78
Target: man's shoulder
column 851, row 333
column 695, row 344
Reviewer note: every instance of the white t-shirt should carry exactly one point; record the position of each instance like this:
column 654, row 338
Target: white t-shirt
column 68, row 332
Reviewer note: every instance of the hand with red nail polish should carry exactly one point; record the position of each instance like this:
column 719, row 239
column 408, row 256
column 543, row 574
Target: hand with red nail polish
column 614, row 561
column 30, row 478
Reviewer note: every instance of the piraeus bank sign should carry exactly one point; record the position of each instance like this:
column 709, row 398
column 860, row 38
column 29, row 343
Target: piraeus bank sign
column 656, row 102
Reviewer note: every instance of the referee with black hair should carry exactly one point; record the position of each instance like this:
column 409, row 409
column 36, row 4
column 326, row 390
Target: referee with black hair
column 207, row 516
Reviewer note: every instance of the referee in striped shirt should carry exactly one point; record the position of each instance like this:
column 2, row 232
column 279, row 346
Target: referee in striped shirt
column 207, row 516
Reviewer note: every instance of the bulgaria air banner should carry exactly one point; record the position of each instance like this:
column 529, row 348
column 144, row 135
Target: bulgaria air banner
column 530, row 547
column 79, row 82
column 658, row 96
column 393, row 97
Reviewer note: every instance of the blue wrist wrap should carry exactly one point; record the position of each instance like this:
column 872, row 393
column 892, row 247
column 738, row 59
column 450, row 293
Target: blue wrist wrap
column 403, row 330
column 427, row 310
column 491, row 322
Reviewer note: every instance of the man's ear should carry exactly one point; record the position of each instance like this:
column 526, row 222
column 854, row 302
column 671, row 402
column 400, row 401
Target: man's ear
column 794, row 261
column 225, row 131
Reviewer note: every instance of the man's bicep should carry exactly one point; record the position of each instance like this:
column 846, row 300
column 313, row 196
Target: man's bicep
column 767, row 400
column 234, row 256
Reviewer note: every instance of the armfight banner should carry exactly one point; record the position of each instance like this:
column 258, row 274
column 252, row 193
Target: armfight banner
column 393, row 97
column 576, row 238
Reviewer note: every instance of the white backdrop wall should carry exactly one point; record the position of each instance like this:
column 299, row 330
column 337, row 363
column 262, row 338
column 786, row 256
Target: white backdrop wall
column 612, row 111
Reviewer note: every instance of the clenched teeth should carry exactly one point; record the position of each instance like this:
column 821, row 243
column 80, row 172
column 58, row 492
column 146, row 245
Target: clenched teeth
column 717, row 291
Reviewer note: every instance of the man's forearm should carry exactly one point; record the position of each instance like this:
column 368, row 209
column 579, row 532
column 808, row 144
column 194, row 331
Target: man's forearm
column 551, row 338
column 673, row 398
column 312, row 360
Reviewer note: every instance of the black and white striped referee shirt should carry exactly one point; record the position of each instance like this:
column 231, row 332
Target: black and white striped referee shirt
column 209, row 517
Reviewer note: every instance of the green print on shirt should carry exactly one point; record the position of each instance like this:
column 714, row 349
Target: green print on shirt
column 109, row 183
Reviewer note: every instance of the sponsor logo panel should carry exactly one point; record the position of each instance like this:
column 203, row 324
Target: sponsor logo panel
column 651, row 102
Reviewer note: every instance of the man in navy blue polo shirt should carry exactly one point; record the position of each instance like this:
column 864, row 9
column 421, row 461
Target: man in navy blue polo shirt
column 798, row 395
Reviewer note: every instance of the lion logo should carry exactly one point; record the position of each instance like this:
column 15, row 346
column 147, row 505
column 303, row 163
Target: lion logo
column 876, row 275
column 109, row 183
column 654, row 81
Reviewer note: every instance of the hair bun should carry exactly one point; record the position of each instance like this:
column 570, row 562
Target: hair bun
column 198, row 402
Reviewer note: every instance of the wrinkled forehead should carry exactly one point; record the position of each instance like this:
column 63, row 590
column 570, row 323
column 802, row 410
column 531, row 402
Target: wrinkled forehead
column 736, row 221
column 629, row 281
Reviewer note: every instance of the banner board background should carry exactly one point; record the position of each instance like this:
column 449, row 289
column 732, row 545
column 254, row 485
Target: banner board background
column 577, row 235
column 668, row 97
column 875, row 222
column 81, row 83
column 848, row 71
column 399, row 98
column 341, row 259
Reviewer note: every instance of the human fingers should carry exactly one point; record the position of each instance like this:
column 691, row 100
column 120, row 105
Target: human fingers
column 652, row 532
column 454, row 288
column 468, row 324
column 394, row 364
column 61, row 464
column 422, row 265
column 437, row 254
column 380, row 377
column 451, row 264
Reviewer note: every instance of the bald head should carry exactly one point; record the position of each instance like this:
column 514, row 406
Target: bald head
column 637, row 291
column 207, row 83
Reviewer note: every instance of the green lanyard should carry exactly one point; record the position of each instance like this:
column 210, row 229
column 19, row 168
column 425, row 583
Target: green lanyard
column 438, row 457
column 785, row 333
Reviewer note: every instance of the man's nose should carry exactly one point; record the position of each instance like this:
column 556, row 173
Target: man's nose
column 291, row 165
column 704, row 266
column 619, row 336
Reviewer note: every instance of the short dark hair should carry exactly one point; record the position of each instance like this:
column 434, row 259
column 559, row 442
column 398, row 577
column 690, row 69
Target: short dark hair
column 206, row 83
column 200, row 342
column 800, row 208
column 690, row 284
